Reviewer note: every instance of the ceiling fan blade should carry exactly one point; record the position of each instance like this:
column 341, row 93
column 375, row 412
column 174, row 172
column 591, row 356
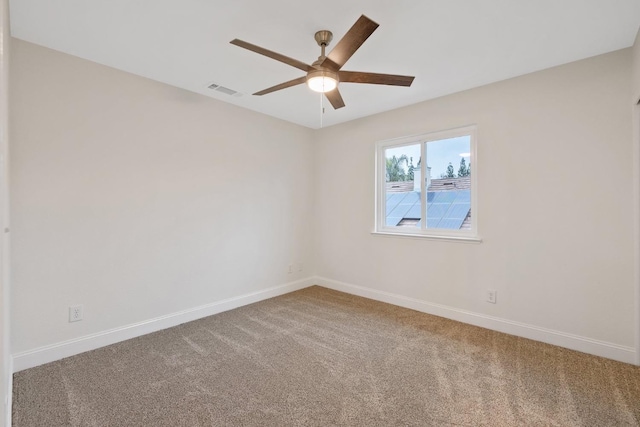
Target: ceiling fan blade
column 374, row 78
column 335, row 98
column 284, row 85
column 351, row 41
column 273, row 55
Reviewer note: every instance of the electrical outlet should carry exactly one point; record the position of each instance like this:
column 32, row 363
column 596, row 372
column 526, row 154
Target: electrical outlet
column 75, row 313
column 290, row 268
column 492, row 296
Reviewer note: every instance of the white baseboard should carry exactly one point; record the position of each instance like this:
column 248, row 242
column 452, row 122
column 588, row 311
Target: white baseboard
column 549, row 336
column 57, row 351
column 53, row 352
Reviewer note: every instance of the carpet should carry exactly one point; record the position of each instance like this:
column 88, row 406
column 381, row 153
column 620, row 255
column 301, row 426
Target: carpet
column 318, row 357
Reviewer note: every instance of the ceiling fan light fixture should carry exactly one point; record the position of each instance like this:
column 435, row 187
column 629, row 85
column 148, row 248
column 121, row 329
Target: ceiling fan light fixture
column 322, row 81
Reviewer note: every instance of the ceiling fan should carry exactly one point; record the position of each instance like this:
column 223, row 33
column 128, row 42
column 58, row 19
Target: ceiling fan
column 325, row 73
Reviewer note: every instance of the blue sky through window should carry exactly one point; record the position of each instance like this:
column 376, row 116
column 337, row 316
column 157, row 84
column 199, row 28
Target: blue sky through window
column 439, row 153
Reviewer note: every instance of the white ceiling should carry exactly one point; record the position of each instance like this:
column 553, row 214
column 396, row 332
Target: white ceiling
column 449, row 45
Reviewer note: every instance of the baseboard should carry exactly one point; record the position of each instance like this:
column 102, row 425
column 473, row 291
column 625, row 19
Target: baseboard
column 53, row 352
column 561, row 339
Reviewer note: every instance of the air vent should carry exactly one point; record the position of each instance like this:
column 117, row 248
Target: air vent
column 225, row 90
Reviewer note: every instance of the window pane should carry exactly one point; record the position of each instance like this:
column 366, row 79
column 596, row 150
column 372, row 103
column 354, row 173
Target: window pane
column 402, row 193
column 449, row 183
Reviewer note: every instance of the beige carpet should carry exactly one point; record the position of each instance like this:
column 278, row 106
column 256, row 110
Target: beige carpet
column 323, row 358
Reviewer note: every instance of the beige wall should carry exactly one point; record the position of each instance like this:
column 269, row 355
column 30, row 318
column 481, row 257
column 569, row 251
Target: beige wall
column 555, row 205
column 636, row 68
column 5, row 346
column 635, row 106
column 138, row 200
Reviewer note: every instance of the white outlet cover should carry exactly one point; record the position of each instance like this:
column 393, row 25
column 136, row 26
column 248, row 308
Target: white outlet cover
column 75, row 313
column 492, row 296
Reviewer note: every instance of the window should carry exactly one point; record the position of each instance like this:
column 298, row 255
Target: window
column 426, row 185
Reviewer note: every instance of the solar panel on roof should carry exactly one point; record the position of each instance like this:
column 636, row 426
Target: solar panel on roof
column 458, row 210
column 400, row 210
column 445, row 209
column 445, row 196
column 392, row 202
column 392, row 221
column 394, row 197
column 463, row 196
column 411, row 197
column 414, row 212
column 433, row 223
column 450, row 223
column 437, row 210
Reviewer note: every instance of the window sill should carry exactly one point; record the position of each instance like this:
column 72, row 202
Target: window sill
column 460, row 239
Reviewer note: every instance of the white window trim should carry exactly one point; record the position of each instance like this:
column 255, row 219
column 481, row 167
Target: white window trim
column 380, row 227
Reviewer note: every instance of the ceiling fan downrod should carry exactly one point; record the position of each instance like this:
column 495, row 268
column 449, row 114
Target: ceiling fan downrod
column 323, row 38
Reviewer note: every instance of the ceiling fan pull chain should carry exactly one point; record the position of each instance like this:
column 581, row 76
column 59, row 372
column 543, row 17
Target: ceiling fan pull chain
column 321, row 109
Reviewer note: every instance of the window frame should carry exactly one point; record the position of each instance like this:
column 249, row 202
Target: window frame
column 380, row 226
